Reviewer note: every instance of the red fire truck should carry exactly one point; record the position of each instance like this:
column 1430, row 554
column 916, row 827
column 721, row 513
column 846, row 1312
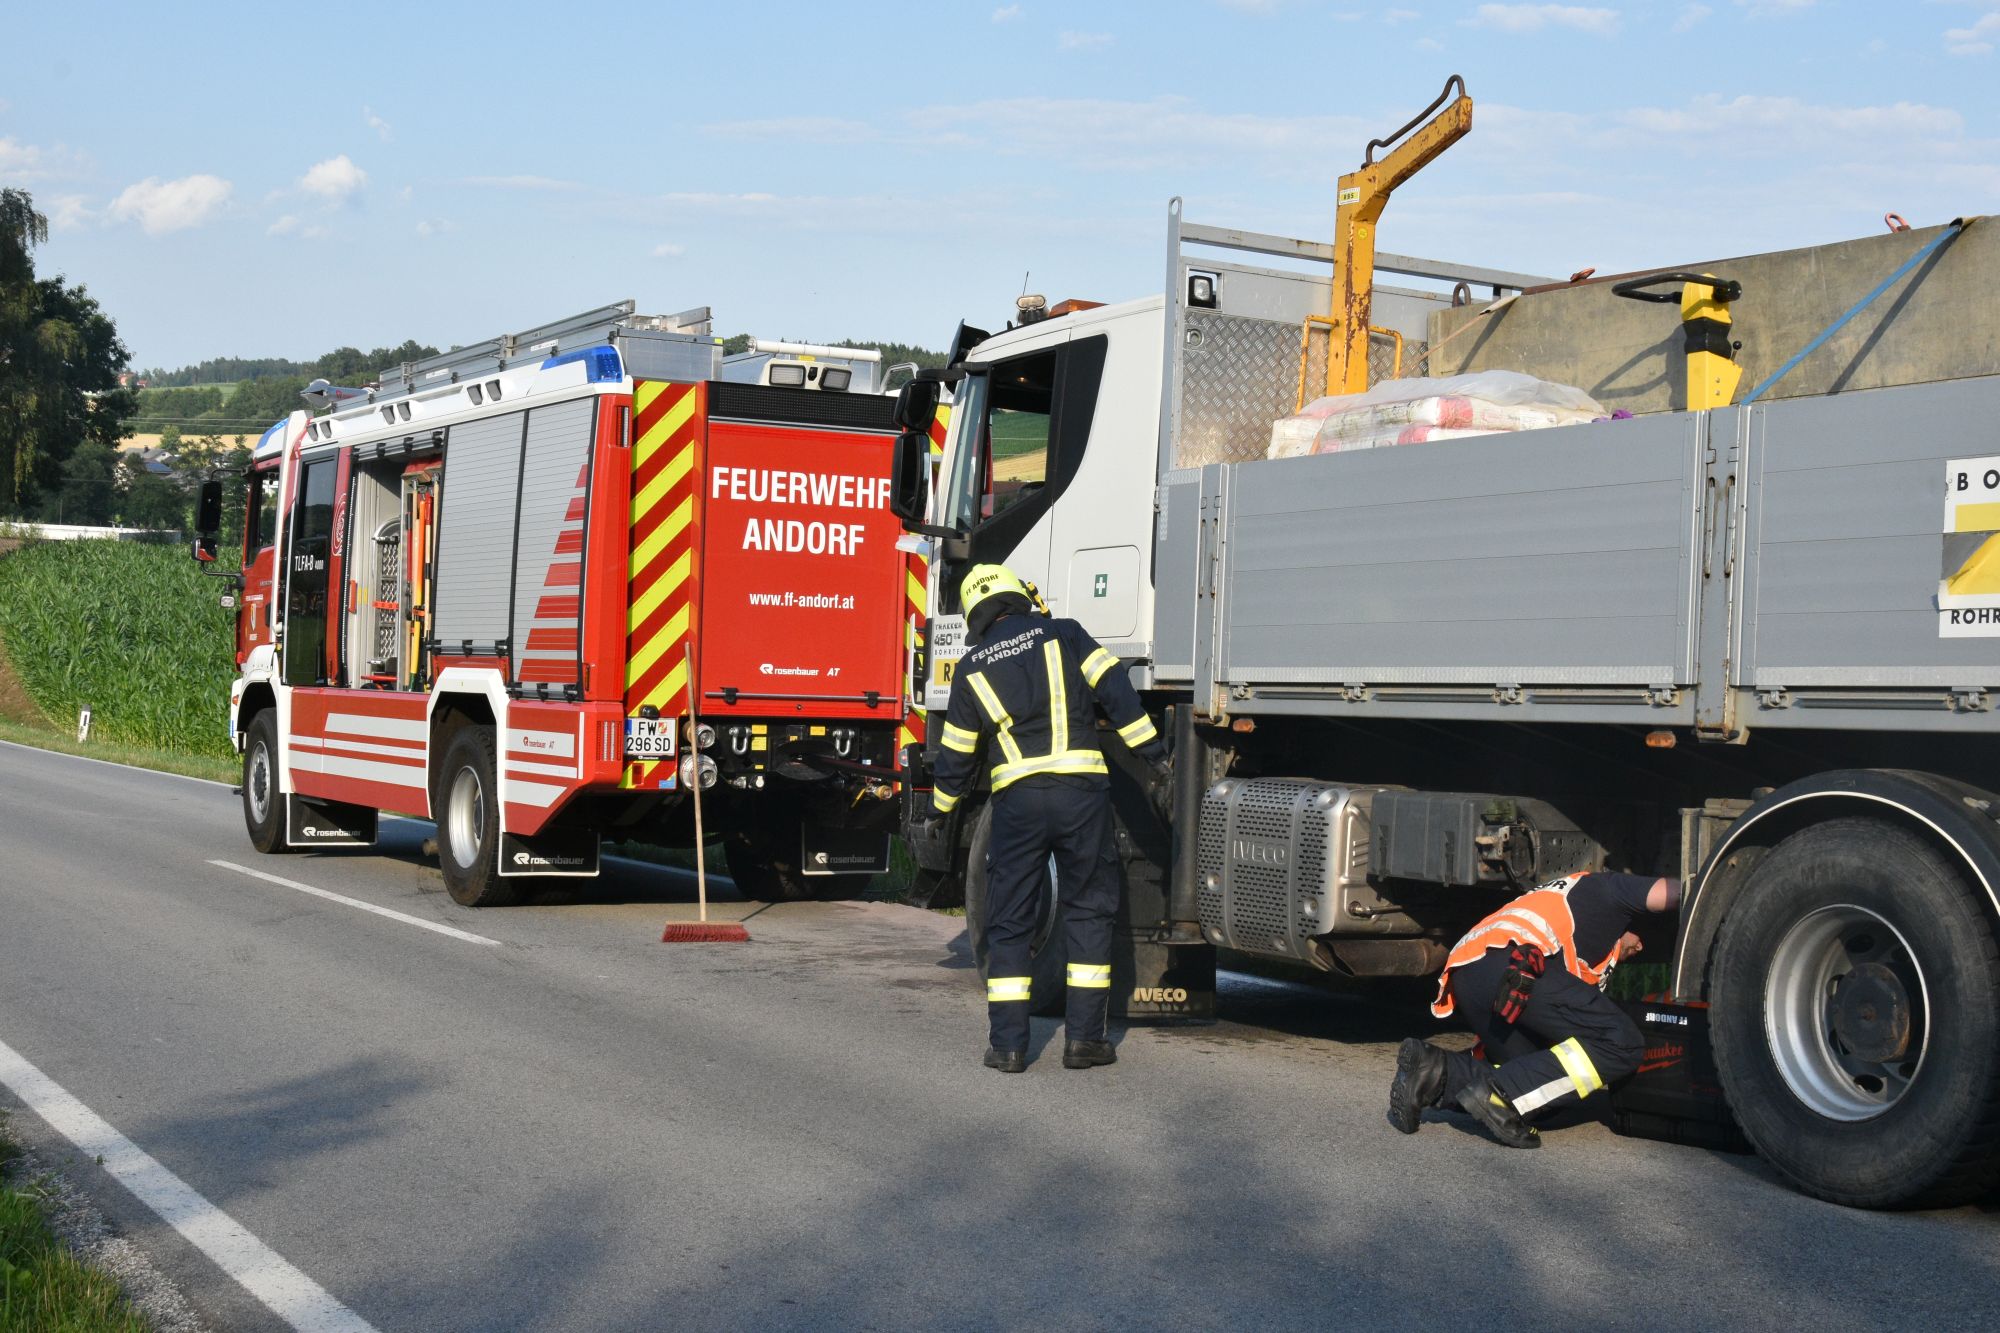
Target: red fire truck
column 500, row 588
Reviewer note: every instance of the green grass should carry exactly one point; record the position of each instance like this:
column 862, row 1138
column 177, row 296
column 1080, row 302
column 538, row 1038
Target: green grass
column 165, row 761
column 43, row 1289
column 133, row 632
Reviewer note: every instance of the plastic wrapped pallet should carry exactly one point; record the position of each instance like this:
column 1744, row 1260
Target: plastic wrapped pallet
column 1415, row 410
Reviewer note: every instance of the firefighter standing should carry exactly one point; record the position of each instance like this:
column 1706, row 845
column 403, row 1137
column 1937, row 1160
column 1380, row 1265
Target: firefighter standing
column 1025, row 689
column 1527, row 980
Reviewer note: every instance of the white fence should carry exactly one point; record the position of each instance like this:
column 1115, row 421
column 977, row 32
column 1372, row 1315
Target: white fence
column 72, row 532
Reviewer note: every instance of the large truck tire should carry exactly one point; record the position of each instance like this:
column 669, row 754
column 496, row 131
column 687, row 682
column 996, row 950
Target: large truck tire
column 265, row 808
column 1048, row 962
column 765, row 874
column 468, row 823
column 1856, row 1018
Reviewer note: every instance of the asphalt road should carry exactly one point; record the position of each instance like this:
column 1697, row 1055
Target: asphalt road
column 582, row 1128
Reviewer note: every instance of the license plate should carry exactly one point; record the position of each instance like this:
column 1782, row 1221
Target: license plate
column 649, row 738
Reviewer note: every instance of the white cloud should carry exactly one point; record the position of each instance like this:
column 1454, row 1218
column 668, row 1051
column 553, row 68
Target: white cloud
column 334, row 179
column 436, row 226
column 17, row 158
column 293, row 225
column 1082, row 41
column 377, row 124
column 1976, row 40
column 1428, row 44
column 1762, row 7
column 1533, row 18
column 522, row 182
column 1252, row 6
column 1006, row 13
column 22, row 163
column 1690, row 16
column 1395, row 16
column 668, row 250
column 68, row 211
column 162, row 206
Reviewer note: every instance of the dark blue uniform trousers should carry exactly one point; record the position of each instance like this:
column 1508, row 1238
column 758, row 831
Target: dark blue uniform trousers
column 1033, row 820
column 1570, row 1040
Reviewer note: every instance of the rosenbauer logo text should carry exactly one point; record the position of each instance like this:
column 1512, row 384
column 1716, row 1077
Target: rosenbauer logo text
column 822, row 490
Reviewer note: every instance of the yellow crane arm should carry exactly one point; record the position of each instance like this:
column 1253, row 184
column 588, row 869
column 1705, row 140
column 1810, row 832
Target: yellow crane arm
column 1364, row 193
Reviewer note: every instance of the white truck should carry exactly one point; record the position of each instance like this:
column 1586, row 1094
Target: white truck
column 1749, row 645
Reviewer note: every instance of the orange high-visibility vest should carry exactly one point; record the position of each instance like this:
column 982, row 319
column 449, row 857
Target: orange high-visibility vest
column 1541, row 918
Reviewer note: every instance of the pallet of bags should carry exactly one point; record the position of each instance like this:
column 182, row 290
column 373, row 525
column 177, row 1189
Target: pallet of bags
column 1414, row 411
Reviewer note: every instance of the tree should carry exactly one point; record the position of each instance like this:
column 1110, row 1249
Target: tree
column 145, row 498
column 59, row 363
column 85, row 494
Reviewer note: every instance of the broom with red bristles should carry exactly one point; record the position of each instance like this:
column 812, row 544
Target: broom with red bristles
column 701, row 931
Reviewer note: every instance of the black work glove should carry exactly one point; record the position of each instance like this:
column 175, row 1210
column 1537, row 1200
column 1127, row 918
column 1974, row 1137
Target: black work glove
column 1160, row 788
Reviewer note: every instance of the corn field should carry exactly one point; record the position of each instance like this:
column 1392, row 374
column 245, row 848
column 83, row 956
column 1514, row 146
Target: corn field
column 132, row 632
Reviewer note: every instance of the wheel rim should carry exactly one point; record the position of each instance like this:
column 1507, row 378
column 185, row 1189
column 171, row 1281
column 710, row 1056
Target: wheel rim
column 257, row 783
column 1846, row 1012
column 465, row 818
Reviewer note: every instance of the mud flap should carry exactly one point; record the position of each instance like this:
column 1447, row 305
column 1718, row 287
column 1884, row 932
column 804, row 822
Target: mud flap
column 1150, row 980
column 563, row 853
column 843, row 851
column 314, row 822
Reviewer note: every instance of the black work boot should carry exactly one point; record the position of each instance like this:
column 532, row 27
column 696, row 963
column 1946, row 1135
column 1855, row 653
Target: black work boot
column 1483, row 1102
column 1419, row 1083
column 1088, row 1054
column 1007, row 1062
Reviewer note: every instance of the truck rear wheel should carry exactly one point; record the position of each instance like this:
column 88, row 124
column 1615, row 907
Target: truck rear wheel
column 1856, row 1019
column 765, row 865
column 1048, row 957
column 265, row 808
column 468, row 823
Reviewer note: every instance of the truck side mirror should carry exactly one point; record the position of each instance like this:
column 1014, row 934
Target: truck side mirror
column 208, row 509
column 207, row 520
column 909, row 475
column 916, row 406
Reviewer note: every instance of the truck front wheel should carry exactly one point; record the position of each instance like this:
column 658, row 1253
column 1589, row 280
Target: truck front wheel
column 468, row 823
column 264, row 806
column 1856, row 1018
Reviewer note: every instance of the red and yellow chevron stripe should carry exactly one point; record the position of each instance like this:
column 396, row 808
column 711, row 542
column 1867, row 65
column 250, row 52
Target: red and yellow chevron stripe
column 917, row 594
column 667, row 422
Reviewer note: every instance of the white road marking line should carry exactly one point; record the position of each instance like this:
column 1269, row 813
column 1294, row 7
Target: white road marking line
column 262, row 1271
column 330, row 896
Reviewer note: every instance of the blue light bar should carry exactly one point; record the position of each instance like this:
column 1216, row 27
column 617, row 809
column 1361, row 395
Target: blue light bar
column 602, row 362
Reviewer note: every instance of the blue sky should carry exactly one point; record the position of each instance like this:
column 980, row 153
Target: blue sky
column 272, row 180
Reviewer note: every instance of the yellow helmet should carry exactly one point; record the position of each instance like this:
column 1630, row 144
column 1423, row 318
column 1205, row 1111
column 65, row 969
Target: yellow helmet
column 983, row 581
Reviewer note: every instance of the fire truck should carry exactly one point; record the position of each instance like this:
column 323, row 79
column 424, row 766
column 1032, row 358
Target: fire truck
column 539, row 588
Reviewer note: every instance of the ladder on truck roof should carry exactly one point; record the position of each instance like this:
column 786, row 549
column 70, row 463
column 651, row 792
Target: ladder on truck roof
column 676, row 346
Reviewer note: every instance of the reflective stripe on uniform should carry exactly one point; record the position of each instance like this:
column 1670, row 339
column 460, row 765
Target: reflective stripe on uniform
column 959, row 739
column 1095, row 665
column 1576, row 1061
column 943, row 800
column 1052, row 661
column 1534, row 1099
column 1073, row 761
column 1000, row 719
column 1090, row 976
column 1136, row 734
column 1006, row 990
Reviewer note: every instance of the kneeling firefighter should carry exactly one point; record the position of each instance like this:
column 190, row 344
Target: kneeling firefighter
column 1024, row 690
column 1528, row 981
